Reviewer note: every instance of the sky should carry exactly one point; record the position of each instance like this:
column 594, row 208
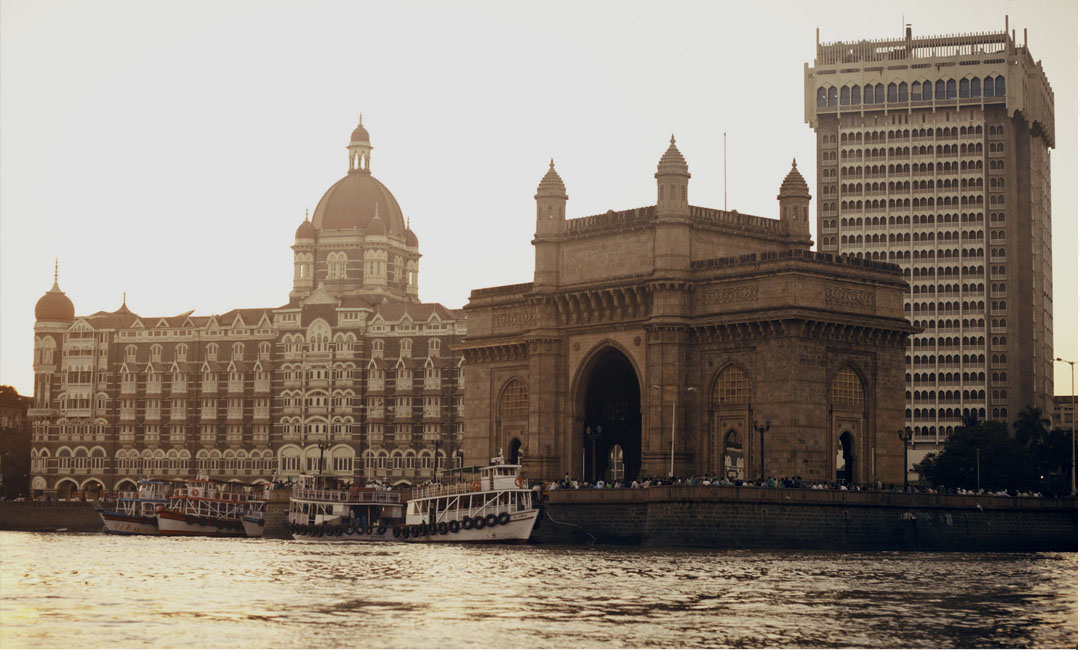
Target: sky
column 169, row 150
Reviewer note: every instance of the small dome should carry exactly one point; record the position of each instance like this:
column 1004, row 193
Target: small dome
column 410, row 238
column 672, row 162
column 794, row 184
column 551, row 184
column 54, row 306
column 360, row 134
column 305, row 231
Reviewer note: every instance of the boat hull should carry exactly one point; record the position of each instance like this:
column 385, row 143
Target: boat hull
column 253, row 526
column 119, row 523
column 329, row 534
column 173, row 523
column 516, row 531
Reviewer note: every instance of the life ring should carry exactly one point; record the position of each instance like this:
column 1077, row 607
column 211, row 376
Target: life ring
column 381, row 530
column 491, row 520
column 476, row 486
column 443, row 528
column 479, row 523
column 467, row 523
column 518, row 482
column 504, row 518
column 454, row 526
column 195, row 492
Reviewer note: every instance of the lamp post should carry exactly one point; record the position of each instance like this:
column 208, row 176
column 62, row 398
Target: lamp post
column 322, row 445
column 674, row 409
column 1072, row 437
column 905, row 436
column 761, row 429
column 592, row 436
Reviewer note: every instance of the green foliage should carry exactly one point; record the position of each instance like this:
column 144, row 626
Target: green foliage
column 982, row 455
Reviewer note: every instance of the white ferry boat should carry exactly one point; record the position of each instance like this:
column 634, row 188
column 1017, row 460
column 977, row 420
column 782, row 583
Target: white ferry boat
column 493, row 505
column 205, row 508
column 254, row 517
column 136, row 510
column 321, row 510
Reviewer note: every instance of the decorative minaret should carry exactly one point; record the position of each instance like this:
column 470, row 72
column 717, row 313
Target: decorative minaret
column 304, row 259
column 550, row 223
column 794, row 198
column 360, row 149
column 671, row 249
column 672, row 181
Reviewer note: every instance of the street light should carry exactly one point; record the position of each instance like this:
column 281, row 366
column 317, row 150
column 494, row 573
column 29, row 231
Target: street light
column 322, row 445
column 761, row 429
column 905, row 436
column 592, row 435
column 1072, row 438
column 674, row 409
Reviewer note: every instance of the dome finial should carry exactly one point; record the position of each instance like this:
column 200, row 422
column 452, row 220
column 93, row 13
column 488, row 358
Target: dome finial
column 123, row 300
column 793, row 165
column 305, row 214
column 552, row 165
column 56, row 271
column 360, row 122
column 672, row 138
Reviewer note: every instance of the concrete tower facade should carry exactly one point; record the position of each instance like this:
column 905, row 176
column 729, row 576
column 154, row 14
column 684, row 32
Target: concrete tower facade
column 934, row 153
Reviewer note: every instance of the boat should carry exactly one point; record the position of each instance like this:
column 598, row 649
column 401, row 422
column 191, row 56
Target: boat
column 204, row 508
column 136, row 510
column 322, row 509
column 254, row 517
column 490, row 504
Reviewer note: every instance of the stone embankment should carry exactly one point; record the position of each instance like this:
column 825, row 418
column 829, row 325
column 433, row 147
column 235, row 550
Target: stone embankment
column 66, row 516
column 764, row 518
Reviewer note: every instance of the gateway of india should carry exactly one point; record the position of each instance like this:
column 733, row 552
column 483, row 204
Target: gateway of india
column 676, row 339
column 652, row 341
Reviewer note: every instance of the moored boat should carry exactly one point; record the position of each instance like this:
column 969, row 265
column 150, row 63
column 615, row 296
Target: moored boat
column 205, row 508
column 321, row 509
column 136, row 510
column 492, row 505
column 254, row 516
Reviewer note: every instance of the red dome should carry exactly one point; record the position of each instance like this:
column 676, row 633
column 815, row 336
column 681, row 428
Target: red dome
column 410, row 238
column 54, row 306
column 350, row 203
column 360, row 134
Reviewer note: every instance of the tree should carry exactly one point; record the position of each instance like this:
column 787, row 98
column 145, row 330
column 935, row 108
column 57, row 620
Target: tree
column 1031, row 427
column 983, row 455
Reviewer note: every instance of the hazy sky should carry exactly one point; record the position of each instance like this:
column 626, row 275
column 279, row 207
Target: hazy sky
column 169, row 150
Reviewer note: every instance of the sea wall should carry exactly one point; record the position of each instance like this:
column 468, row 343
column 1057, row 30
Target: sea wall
column 71, row 516
column 741, row 517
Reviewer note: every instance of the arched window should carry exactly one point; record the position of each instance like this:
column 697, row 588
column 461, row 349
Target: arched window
column 868, row 94
column 988, row 86
column 832, row 96
column 732, row 387
column 821, row 95
column 336, row 265
column 976, row 87
column 879, row 94
column 845, row 96
column 514, row 401
column 892, row 92
column 999, row 86
column 903, row 91
column 927, row 90
column 847, row 389
column 855, row 94
column 950, row 89
column 965, row 88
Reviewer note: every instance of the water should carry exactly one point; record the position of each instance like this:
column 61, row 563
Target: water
column 102, row 591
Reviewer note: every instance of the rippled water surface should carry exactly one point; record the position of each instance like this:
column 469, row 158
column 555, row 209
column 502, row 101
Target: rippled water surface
column 103, row 591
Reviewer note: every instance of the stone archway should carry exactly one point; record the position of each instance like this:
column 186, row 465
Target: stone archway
column 611, row 416
column 66, row 490
column 845, row 458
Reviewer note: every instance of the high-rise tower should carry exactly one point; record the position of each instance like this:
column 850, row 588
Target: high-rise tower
column 934, row 153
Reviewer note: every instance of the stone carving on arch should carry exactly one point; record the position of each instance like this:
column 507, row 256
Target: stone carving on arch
column 848, row 441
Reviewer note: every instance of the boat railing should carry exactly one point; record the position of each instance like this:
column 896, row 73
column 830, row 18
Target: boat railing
column 483, row 485
column 346, row 496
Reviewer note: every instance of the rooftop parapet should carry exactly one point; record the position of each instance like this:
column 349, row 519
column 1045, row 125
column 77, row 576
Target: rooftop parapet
column 810, row 256
column 926, row 47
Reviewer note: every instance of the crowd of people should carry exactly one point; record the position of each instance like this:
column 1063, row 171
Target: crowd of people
column 797, row 482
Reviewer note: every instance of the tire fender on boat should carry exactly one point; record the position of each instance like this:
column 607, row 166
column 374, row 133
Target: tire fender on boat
column 350, row 531
column 338, row 530
column 405, row 532
column 479, row 522
column 467, row 523
column 454, row 526
column 491, row 520
column 397, row 531
column 443, row 528
column 369, row 530
column 504, row 518
column 381, row 530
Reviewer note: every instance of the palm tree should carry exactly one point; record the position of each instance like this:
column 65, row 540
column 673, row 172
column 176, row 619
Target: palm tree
column 1031, row 427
